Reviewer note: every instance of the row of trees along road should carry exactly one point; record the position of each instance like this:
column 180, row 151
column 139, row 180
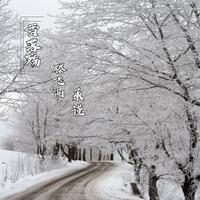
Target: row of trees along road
column 138, row 64
column 145, row 54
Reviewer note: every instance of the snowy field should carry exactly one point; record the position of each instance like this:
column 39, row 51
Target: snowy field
column 19, row 171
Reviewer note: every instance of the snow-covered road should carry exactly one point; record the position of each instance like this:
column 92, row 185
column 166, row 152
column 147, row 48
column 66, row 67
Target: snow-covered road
column 76, row 186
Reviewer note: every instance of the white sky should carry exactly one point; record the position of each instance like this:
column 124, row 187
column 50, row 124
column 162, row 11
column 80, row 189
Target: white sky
column 36, row 8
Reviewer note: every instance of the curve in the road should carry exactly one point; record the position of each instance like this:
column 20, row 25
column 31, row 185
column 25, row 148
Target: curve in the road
column 70, row 187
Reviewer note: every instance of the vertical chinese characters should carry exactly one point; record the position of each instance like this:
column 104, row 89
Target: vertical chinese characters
column 77, row 109
column 31, row 57
column 59, row 69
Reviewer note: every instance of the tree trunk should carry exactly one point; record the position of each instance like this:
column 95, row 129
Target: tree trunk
column 112, row 156
column 64, row 153
column 90, row 154
column 79, row 153
column 153, row 191
column 43, row 151
column 84, row 154
column 120, row 152
column 69, row 159
column 38, row 149
column 189, row 188
column 76, row 154
column 55, row 152
column 70, row 153
column 73, row 151
column 135, row 189
column 99, row 158
column 137, row 170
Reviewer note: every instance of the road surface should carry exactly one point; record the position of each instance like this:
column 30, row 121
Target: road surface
column 79, row 185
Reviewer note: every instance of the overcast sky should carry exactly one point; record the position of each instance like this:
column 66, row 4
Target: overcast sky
column 36, row 8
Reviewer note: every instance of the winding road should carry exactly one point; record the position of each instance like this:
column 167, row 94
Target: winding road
column 79, row 185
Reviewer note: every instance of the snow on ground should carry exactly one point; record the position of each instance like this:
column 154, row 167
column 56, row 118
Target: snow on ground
column 20, row 171
column 115, row 184
column 169, row 190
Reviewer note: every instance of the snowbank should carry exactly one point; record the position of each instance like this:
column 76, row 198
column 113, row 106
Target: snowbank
column 115, row 184
column 20, row 171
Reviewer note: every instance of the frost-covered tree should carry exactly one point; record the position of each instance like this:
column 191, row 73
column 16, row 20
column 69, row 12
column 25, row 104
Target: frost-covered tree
column 149, row 49
column 16, row 79
column 9, row 65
